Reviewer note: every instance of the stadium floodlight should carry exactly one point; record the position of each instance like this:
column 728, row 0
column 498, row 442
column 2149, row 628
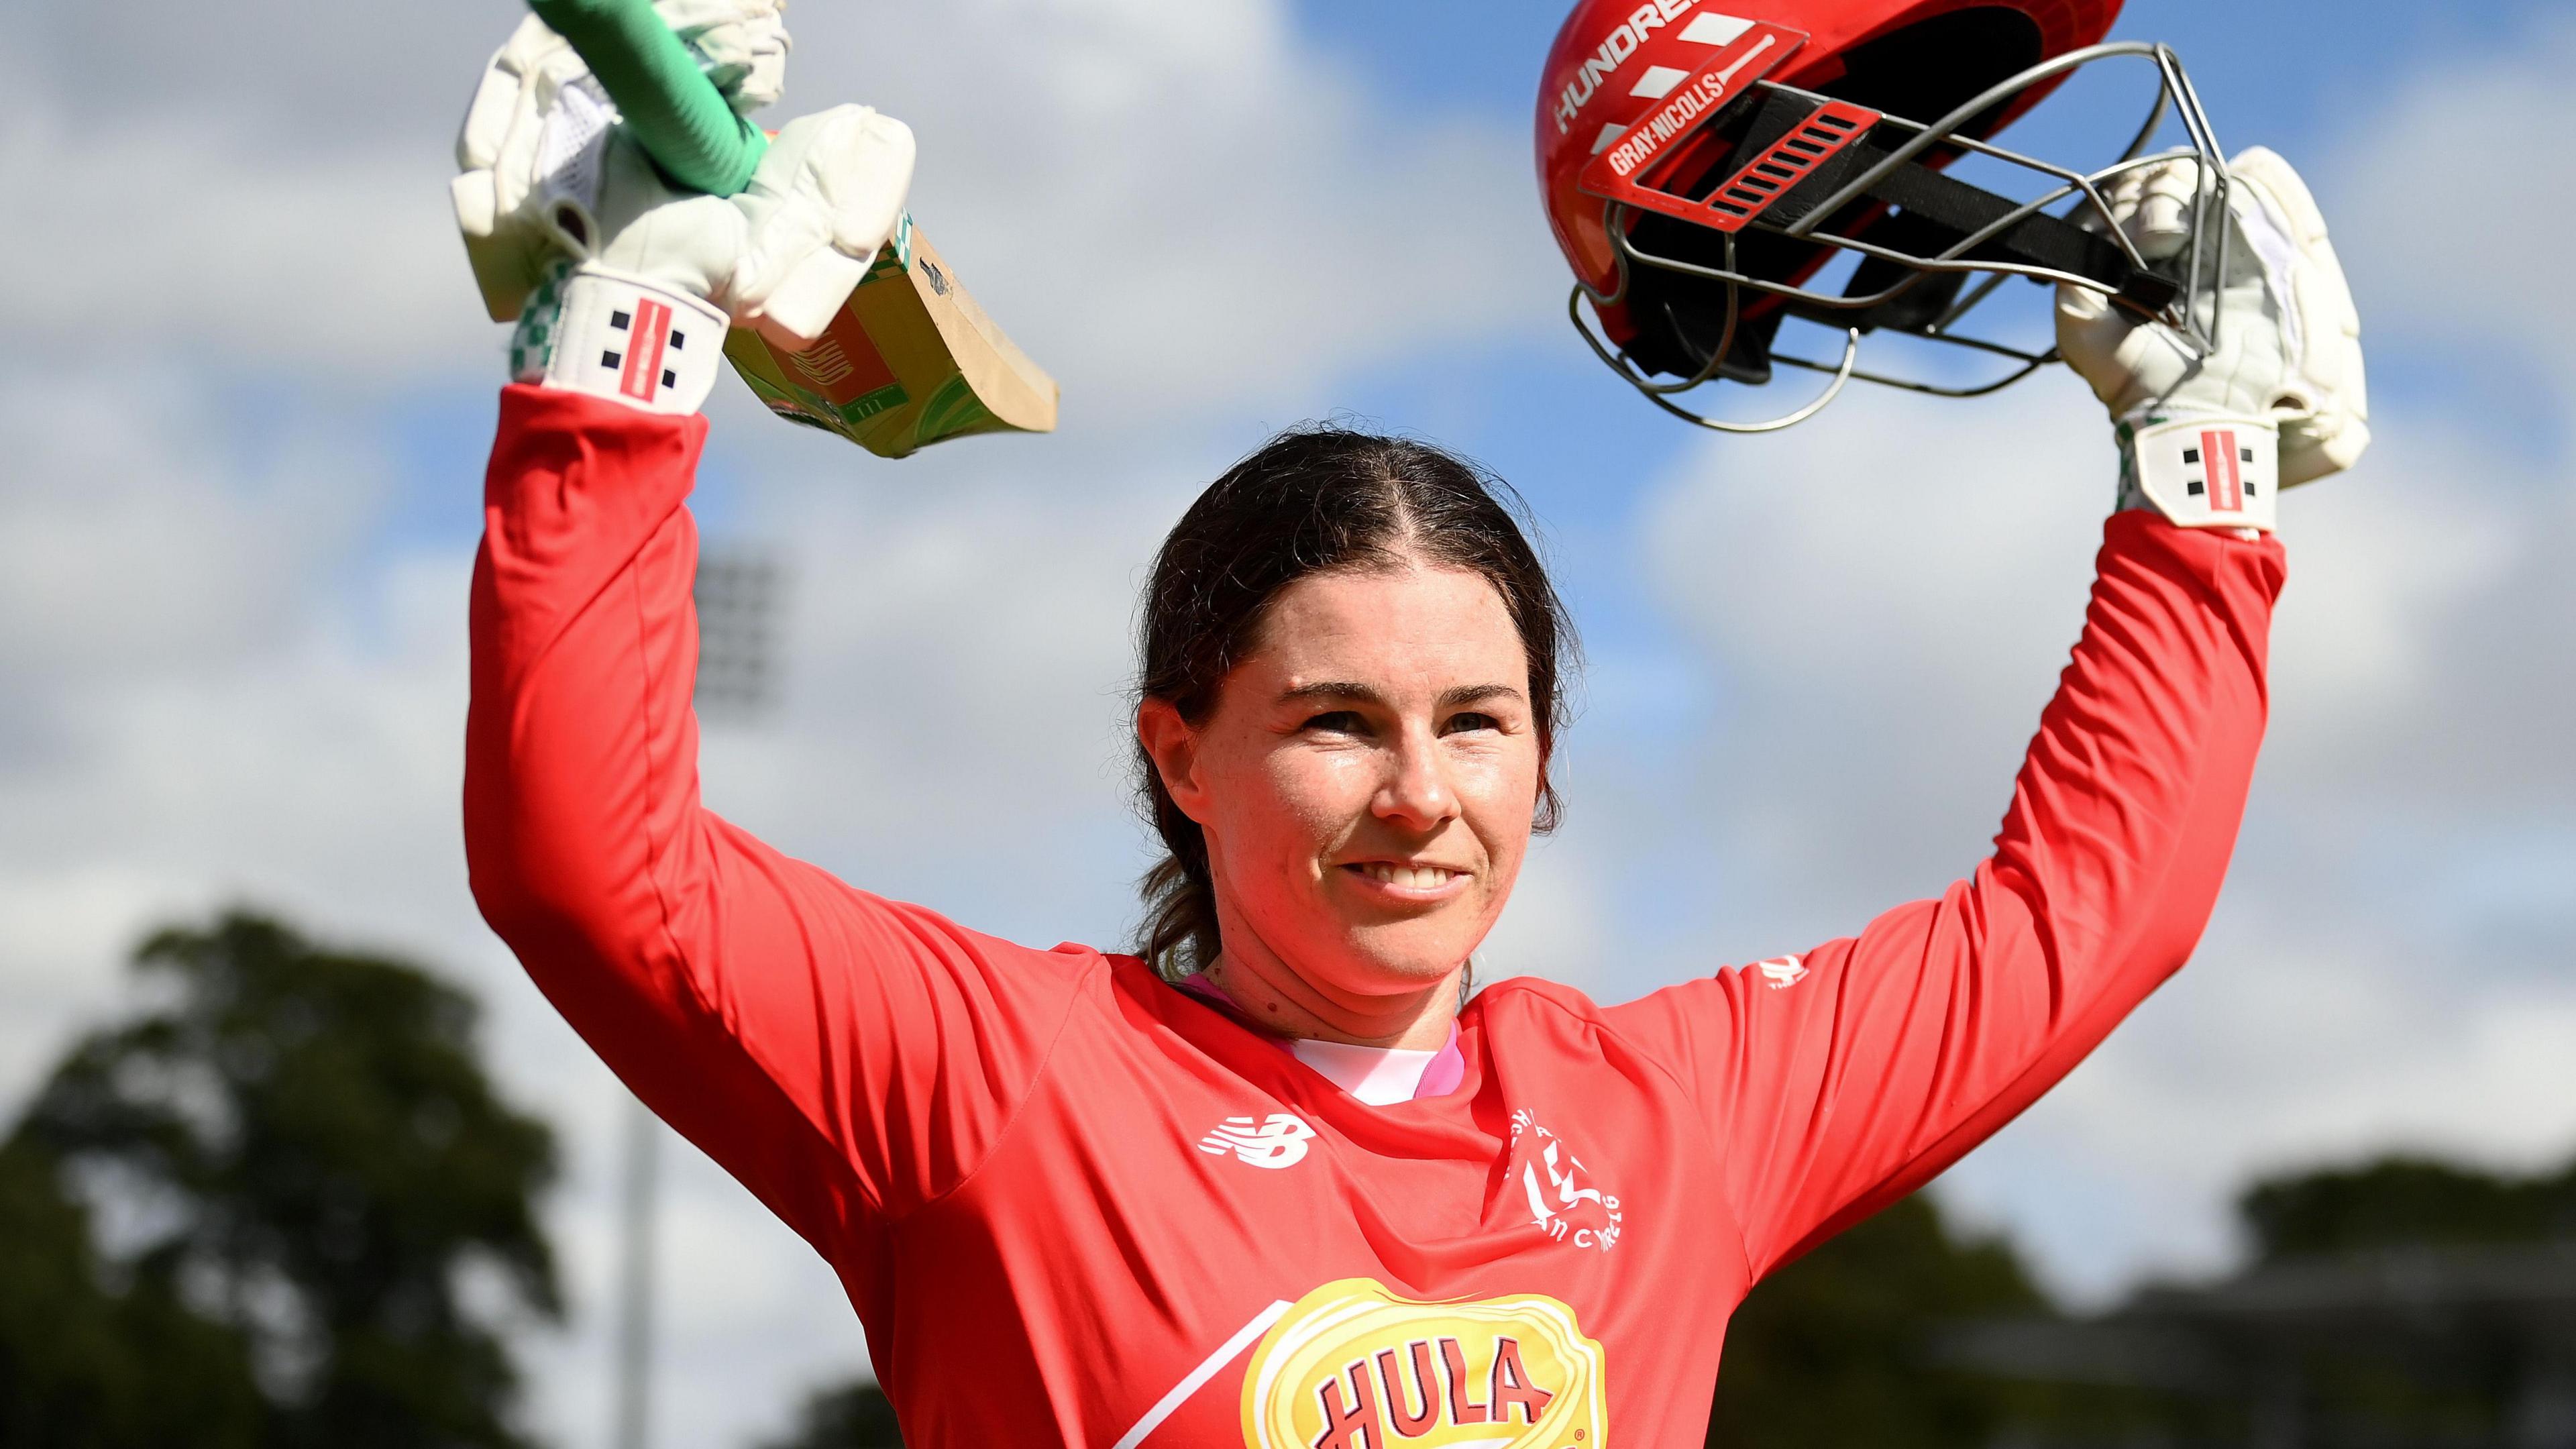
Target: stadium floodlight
column 738, row 591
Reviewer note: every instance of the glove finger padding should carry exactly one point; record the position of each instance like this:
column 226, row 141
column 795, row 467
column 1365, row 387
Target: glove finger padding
column 531, row 152
column 517, row 138
column 2153, row 206
column 2323, row 402
column 742, row 43
column 2134, row 363
column 826, row 197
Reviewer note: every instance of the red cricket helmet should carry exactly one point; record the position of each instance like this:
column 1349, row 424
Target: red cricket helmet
column 1703, row 160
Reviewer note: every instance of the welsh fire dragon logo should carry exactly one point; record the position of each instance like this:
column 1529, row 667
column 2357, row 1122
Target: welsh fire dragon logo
column 1563, row 1200
column 1354, row 1364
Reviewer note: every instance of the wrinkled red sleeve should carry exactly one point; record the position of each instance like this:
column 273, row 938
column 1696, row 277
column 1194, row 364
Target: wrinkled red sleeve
column 840, row 1054
column 1831, row 1093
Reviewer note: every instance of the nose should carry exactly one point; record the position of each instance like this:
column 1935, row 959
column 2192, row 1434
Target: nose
column 1417, row 793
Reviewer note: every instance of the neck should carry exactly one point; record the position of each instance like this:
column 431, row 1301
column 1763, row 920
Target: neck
column 1268, row 990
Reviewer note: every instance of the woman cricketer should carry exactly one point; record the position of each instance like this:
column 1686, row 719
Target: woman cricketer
column 1275, row 1178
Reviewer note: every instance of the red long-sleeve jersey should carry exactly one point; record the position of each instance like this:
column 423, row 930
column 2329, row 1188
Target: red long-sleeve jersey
column 1074, row 1205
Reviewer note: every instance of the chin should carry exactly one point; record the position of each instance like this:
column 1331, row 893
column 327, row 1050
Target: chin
column 1408, row 958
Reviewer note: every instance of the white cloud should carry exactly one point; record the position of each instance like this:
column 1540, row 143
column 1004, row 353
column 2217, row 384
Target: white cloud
column 331, row 80
column 129, row 540
column 2480, row 265
column 1172, row 206
column 1886, row 598
column 237, row 249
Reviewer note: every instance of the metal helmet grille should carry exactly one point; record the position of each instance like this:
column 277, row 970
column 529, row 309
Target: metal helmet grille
column 1722, row 203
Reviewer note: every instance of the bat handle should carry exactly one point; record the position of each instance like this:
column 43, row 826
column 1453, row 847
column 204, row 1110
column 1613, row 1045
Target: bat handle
column 671, row 108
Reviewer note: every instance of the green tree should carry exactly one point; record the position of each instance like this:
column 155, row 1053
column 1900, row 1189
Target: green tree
column 854, row 1415
column 88, row 1365
column 2403, row 1201
column 308, row 1146
column 1840, row 1348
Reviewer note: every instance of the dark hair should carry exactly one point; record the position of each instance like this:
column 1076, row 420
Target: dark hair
column 1317, row 500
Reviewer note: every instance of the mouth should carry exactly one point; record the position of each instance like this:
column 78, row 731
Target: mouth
column 1411, row 882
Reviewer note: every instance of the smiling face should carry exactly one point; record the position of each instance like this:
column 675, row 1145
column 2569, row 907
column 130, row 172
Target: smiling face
column 1366, row 781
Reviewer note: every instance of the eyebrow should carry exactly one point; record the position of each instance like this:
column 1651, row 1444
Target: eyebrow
column 1455, row 697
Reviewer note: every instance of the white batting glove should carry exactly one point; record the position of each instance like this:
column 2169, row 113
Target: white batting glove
column 742, row 43
column 2209, row 441
column 649, row 280
column 538, row 125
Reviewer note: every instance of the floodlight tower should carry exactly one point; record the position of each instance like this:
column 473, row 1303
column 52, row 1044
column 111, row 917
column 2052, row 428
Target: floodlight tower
column 737, row 593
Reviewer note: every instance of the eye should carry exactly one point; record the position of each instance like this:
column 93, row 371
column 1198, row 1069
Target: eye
column 1470, row 720
column 1338, row 722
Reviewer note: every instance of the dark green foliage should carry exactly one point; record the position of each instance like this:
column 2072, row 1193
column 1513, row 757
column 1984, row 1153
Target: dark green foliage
column 1839, row 1348
column 2405, row 1202
column 309, row 1145
column 854, row 1415
column 84, row 1365
column 2399, row 1301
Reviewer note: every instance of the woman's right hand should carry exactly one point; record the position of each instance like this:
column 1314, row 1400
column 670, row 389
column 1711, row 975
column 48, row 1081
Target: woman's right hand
column 538, row 120
column 557, row 202
column 781, row 258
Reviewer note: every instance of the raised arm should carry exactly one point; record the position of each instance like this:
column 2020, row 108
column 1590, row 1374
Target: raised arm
column 842, row 1055
column 1843, row 1078
column 836, row 1052
column 1840, row 1079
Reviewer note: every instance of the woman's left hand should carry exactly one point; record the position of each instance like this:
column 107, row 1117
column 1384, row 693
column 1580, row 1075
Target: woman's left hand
column 2286, row 368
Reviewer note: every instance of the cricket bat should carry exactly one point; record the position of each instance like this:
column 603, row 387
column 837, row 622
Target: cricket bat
column 909, row 360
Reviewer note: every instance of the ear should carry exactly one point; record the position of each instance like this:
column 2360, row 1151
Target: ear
column 1173, row 747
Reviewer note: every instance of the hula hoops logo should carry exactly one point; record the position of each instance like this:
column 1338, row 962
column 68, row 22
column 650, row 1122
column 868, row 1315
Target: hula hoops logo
column 1353, row 1364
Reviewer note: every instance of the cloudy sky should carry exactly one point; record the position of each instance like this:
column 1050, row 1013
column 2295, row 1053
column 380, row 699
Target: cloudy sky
column 247, row 387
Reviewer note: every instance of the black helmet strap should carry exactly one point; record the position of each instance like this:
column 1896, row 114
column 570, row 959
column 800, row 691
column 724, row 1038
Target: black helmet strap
column 1933, row 213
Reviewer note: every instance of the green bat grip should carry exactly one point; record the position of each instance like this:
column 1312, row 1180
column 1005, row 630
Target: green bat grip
column 671, row 108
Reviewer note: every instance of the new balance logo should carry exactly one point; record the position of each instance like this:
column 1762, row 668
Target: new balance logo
column 1278, row 1141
